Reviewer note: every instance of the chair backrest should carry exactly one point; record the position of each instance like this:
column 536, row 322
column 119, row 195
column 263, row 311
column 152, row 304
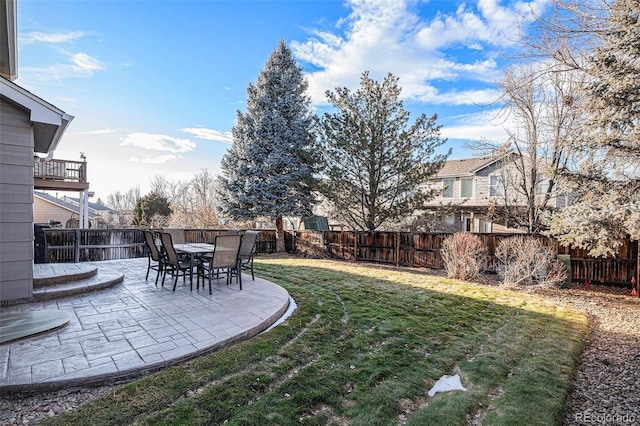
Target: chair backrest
column 167, row 246
column 248, row 243
column 151, row 245
column 225, row 254
column 177, row 235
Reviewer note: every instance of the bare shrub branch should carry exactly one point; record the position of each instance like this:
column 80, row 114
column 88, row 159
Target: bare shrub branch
column 528, row 261
column 464, row 255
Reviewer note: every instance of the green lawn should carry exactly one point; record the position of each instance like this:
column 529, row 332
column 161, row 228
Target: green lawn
column 364, row 346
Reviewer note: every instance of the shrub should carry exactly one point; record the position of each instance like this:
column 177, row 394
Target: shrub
column 527, row 261
column 464, row 255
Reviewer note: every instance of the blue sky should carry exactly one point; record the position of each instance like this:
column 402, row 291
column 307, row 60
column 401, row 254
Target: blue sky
column 155, row 86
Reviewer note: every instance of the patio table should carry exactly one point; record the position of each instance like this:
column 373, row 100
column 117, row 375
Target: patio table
column 193, row 249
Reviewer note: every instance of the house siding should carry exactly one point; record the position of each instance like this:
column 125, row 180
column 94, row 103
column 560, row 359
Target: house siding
column 479, row 196
column 16, row 202
column 44, row 211
column 472, row 213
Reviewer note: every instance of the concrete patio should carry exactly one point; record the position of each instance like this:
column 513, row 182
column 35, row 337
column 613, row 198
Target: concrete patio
column 135, row 328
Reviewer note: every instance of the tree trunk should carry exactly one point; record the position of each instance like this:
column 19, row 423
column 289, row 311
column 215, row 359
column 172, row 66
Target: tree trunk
column 279, row 235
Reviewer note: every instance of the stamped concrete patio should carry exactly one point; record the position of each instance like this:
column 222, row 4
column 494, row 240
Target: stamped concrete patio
column 135, row 328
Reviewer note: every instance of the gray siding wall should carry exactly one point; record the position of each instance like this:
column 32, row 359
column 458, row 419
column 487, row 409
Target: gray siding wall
column 16, row 203
column 480, row 193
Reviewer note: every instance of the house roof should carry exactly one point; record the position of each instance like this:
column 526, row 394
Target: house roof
column 464, row 167
column 467, row 166
column 49, row 122
column 94, row 206
column 62, row 203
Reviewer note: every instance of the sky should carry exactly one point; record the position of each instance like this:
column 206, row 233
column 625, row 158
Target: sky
column 155, row 85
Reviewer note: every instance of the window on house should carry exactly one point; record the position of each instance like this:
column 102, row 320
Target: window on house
column 466, row 188
column 543, row 187
column 448, row 188
column 484, row 226
column 495, row 186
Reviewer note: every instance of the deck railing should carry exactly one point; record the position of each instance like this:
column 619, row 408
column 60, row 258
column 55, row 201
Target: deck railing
column 89, row 245
column 61, row 170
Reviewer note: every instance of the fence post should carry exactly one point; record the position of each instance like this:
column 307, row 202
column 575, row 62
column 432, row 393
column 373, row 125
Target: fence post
column 355, row 246
column 398, row 248
column 294, row 242
column 76, row 247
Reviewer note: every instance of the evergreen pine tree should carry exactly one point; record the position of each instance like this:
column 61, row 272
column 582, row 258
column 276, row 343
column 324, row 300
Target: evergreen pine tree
column 151, row 210
column 375, row 164
column 268, row 169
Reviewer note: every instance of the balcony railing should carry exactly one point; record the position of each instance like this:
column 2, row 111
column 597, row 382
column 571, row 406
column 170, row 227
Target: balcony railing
column 60, row 174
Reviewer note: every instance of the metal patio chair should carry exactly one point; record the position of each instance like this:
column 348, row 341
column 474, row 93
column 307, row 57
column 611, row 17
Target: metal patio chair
column 247, row 250
column 223, row 261
column 155, row 257
column 175, row 264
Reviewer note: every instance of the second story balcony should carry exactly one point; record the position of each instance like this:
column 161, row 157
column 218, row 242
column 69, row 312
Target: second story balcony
column 64, row 175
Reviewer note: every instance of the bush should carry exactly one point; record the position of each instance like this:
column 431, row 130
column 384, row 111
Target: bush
column 527, row 261
column 464, row 255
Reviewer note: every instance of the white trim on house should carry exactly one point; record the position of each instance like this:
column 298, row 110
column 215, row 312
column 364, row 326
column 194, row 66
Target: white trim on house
column 8, row 48
column 49, row 122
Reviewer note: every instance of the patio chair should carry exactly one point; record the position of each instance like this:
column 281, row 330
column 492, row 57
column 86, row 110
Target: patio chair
column 174, row 263
column 224, row 260
column 177, row 235
column 155, row 257
column 247, row 250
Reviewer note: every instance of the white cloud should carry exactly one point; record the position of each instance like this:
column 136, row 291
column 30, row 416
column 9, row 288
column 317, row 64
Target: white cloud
column 148, row 159
column 95, row 132
column 382, row 36
column 69, row 65
column 82, row 65
column 479, row 97
column 158, row 142
column 210, row 134
column 36, row 36
column 476, row 127
column 85, row 63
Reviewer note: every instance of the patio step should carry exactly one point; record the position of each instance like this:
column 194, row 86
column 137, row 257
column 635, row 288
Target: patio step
column 47, row 274
column 99, row 281
column 54, row 280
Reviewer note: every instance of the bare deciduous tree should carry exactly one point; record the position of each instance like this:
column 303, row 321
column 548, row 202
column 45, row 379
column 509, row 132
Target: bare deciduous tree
column 539, row 109
column 599, row 40
column 123, row 204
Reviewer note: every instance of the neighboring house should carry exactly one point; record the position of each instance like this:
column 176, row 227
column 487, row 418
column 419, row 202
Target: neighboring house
column 475, row 192
column 63, row 212
column 102, row 215
column 29, row 125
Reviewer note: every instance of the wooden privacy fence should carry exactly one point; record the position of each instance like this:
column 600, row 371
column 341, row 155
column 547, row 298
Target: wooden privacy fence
column 422, row 249
column 414, row 249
